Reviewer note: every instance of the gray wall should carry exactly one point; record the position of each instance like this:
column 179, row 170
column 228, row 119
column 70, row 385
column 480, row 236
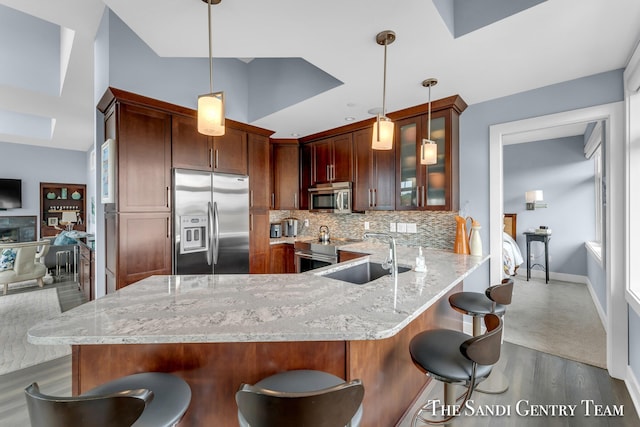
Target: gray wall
column 634, row 342
column 474, row 136
column 558, row 168
column 34, row 165
column 598, row 279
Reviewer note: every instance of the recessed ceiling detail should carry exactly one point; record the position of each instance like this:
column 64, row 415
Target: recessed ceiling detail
column 465, row 16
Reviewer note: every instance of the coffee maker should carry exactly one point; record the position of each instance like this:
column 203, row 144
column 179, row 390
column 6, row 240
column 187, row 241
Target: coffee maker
column 290, row 227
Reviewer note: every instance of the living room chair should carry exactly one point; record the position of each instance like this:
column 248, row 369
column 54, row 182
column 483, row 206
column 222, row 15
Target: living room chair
column 454, row 357
column 149, row 399
column 27, row 264
column 300, row 398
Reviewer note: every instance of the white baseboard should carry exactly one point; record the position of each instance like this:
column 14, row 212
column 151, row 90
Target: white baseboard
column 596, row 302
column 632, row 386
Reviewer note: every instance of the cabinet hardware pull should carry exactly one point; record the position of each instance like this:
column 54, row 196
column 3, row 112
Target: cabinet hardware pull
column 210, row 157
column 295, row 200
column 424, row 196
column 250, row 222
column 369, row 198
column 168, row 231
column 168, row 196
column 328, row 168
column 216, row 162
column 251, row 198
column 273, row 200
column 375, row 197
column 418, row 196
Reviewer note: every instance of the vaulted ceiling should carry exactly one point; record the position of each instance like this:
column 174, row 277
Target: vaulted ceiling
column 484, row 53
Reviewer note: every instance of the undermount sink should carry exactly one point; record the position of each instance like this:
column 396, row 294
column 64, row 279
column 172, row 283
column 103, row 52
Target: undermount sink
column 363, row 273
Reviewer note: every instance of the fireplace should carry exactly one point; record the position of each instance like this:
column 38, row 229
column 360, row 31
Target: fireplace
column 17, row 229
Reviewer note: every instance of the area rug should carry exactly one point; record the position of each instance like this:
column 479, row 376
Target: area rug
column 558, row 318
column 18, row 313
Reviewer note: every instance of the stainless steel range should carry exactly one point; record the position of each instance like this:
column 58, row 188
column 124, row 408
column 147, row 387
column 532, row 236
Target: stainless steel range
column 311, row 254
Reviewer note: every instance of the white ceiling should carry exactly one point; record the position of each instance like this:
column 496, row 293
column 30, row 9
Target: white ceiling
column 552, row 42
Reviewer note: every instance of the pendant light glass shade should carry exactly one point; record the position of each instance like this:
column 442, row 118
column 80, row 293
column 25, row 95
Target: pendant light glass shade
column 211, row 114
column 383, row 130
column 429, row 153
column 211, row 105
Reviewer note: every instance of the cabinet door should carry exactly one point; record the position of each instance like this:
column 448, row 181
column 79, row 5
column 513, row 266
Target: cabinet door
column 259, row 242
column 259, row 172
column 322, row 161
column 408, row 178
column 363, row 171
column 144, row 159
column 305, row 175
column 282, row 260
column 374, row 175
column 189, row 148
column 342, row 167
column 285, row 179
column 230, row 152
column 144, row 246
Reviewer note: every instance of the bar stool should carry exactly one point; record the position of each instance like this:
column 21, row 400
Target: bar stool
column 150, row 399
column 454, row 357
column 63, row 256
column 300, row 398
column 476, row 304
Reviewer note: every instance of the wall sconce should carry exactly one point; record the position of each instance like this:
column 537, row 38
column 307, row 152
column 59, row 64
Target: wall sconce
column 532, row 198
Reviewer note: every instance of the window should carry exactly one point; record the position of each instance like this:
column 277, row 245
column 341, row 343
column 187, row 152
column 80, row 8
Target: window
column 593, row 150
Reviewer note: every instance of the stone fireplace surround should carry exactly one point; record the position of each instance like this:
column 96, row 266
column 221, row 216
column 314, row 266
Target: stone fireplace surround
column 17, row 229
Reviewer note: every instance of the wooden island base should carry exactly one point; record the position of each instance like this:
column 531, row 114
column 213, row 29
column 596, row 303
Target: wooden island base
column 215, row 370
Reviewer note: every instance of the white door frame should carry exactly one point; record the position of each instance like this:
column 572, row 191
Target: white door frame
column 617, row 322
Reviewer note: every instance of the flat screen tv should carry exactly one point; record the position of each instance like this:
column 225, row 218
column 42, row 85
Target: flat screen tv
column 10, row 193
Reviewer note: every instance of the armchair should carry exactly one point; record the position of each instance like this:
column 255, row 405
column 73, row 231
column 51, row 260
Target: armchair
column 27, row 264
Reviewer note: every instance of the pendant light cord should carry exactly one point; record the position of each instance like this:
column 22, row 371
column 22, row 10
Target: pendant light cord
column 429, row 118
column 384, row 81
column 210, row 54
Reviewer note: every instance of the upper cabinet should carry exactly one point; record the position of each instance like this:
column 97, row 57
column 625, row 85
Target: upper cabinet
column 143, row 151
column 193, row 150
column 285, row 167
column 374, row 174
column 230, row 152
column 429, row 187
column 189, row 148
column 332, row 159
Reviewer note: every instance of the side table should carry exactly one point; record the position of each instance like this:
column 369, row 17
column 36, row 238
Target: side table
column 538, row 237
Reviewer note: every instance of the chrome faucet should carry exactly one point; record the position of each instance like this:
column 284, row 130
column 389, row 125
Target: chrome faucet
column 392, row 260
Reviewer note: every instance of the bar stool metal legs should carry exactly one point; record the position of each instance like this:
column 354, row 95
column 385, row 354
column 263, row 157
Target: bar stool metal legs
column 63, row 256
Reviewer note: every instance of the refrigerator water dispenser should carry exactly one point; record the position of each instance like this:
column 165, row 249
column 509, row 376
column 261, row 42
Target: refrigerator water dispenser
column 193, row 233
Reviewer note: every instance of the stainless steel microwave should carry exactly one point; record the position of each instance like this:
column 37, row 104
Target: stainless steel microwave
column 333, row 197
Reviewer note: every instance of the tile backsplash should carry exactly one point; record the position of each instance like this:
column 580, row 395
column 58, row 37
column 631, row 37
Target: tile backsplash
column 433, row 229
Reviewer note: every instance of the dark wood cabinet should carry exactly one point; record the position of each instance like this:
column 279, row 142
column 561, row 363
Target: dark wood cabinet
column 429, row 187
column 332, row 159
column 285, row 165
column 305, row 175
column 282, row 259
column 230, row 152
column 144, row 246
column 259, row 200
column 86, row 267
column 374, row 175
column 189, row 148
column 348, row 255
column 143, row 147
column 61, row 204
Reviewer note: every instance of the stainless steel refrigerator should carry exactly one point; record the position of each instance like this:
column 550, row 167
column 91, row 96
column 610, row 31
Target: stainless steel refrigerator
column 211, row 223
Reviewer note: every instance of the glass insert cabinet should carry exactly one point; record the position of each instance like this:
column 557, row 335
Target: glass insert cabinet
column 427, row 187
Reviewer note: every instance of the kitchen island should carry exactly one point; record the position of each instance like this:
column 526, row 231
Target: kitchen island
column 217, row 332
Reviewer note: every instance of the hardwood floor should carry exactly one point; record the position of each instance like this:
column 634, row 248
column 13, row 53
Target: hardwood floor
column 536, row 377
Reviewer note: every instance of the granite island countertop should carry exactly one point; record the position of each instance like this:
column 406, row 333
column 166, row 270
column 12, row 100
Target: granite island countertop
column 262, row 307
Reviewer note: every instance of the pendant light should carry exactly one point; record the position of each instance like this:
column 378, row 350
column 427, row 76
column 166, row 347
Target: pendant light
column 429, row 152
column 383, row 128
column 211, row 105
